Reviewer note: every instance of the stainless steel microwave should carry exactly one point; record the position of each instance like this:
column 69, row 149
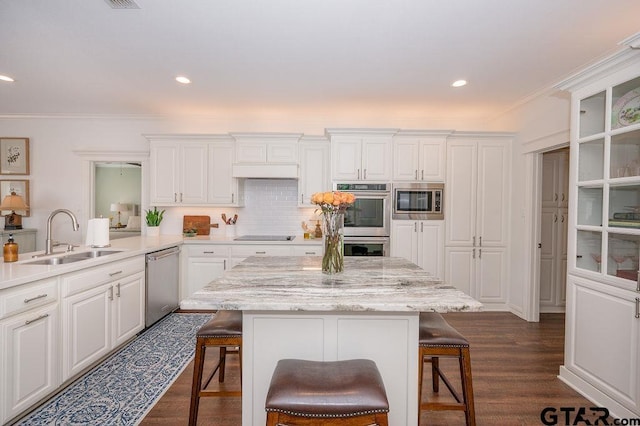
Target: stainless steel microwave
column 418, row 201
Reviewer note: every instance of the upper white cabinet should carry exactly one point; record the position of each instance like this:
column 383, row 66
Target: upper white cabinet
column 477, row 215
column 419, row 157
column 266, row 147
column 555, row 179
column 192, row 170
column 603, row 282
column 314, row 170
column 178, row 172
column 361, row 154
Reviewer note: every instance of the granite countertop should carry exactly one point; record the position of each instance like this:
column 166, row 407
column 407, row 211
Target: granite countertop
column 286, row 283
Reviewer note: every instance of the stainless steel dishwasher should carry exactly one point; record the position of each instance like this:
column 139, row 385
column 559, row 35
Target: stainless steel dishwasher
column 162, row 284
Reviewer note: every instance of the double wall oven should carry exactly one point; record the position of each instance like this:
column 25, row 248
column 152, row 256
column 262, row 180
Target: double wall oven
column 367, row 223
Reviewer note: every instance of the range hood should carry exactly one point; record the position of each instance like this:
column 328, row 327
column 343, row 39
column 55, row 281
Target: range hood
column 262, row 170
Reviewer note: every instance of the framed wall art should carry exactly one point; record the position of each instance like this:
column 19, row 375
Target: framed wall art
column 20, row 187
column 14, row 156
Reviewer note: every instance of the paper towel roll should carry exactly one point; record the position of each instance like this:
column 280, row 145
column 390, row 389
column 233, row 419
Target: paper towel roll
column 98, row 232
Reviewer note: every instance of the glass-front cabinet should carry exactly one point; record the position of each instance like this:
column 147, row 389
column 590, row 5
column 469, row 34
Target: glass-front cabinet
column 607, row 216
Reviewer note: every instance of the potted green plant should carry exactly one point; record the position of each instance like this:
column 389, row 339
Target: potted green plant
column 153, row 218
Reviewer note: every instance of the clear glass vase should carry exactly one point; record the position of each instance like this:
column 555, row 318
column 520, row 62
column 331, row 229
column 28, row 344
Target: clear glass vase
column 333, row 258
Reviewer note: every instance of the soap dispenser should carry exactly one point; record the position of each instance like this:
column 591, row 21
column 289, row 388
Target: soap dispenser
column 10, row 250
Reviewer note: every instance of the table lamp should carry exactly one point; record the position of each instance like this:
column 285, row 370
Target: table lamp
column 13, row 202
column 118, row 207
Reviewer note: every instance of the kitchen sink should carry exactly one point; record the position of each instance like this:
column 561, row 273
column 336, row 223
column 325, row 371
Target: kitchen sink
column 71, row 257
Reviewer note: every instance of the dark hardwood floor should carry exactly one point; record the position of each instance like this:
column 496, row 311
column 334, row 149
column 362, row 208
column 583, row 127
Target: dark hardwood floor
column 514, row 365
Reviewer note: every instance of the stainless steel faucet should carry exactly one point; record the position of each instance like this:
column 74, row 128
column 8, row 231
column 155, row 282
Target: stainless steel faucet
column 49, row 244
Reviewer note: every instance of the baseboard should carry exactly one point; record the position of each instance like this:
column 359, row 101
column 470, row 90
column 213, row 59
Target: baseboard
column 594, row 395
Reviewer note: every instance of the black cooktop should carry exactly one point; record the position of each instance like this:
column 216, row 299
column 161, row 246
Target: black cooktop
column 264, row 238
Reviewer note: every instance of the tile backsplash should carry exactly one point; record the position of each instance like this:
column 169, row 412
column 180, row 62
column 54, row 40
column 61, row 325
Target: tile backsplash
column 270, row 208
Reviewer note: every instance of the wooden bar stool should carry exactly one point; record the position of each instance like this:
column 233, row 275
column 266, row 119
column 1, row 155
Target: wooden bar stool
column 306, row 393
column 224, row 331
column 439, row 339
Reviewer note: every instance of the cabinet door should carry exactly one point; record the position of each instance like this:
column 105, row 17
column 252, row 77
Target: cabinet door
column 164, row 179
column 85, row 329
column 460, row 268
column 223, row 188
column 431, row 247
column 491, row 265
column 406, row 160
column 193, row 172
column 202, row 270
column 460, row 196
column 432, row 160
column 314, row 171
column 548, row 255
column 128, row 308
column 251, row 152
column 346, row 158
column 404, row 239
column 492, row 193
column 614, row 369
column 376, row 159
column 30, row 348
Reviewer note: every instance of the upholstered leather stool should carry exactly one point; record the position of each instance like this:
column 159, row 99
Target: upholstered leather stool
column 349, row 392
column 224, row 331
column 439, row 339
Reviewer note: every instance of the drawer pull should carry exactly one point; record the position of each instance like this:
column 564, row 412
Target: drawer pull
column 637, row 307
column 261, row 252
column 111, row 274
column 209, row 252
column 40, row 296
column 36, row 319
column 309, row 252
column 118, row 289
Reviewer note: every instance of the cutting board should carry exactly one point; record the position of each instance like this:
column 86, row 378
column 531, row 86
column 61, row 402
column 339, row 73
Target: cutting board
column 202, row 224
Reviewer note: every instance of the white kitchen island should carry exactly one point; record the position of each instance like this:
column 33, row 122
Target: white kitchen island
column 292, row 310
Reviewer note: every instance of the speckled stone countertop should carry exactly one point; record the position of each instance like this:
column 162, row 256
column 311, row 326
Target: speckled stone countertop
column 385, row 284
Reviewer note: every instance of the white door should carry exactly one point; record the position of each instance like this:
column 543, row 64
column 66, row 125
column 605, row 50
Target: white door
column 314, row 170
column 31, row 351
column 202, row 270
column 164, row 180
column 85, row 331
column 128, row 307
column 406, row 157
column 222, row 187
column 460, row 198
column 432, row 160
column 346, row 158
column 492, row 225
column 431, row 247
column 194, row 171
column 376, row 159
column 404, row 239
column 491, row 264
column 460, row 268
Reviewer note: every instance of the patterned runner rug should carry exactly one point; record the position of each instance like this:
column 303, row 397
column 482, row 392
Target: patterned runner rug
column 124, row 387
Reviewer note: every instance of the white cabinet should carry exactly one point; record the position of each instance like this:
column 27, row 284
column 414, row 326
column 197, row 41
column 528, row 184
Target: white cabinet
column 553, row 230
column 421, row 242
column 29, row 339
column 314, row 169
column 204, row 263
column 613, row 372
column 361, row 156
column 178, row 172
column 192, row 170
column 476, row 216
column 223, row 188
column 418, row 158
column 102, row 307
column 266, row 147
column 603, row 286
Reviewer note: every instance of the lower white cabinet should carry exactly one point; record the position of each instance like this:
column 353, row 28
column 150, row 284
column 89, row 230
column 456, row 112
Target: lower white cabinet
column 100, row 318
column 30, row 351
column 553, row 259
column 480, row 272
column 602, row 354
column 421, row 242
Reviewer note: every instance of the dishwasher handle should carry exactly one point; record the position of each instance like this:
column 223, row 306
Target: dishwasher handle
column 162, row 254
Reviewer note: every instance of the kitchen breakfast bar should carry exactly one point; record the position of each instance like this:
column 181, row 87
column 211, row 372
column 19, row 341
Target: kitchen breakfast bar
column 292, row 310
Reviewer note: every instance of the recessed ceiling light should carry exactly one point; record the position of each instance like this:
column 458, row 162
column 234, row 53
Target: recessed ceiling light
column 459, row 83
column 6, row 78
column 182, row 79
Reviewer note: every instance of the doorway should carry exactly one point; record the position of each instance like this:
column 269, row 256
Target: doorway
column 553, row 220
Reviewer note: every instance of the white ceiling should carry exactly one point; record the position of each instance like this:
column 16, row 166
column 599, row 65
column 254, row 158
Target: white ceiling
column 394, row 57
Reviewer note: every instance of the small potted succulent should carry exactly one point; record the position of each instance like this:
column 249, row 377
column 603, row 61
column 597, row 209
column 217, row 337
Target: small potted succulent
column 153, row 218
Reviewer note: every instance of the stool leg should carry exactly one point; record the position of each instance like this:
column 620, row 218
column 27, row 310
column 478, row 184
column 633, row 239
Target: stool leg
column 467, row 386
column 435, row 373
column 272, row 418
column 222, row 363
column 382, row 419
column 420, row 372
column 198, row 365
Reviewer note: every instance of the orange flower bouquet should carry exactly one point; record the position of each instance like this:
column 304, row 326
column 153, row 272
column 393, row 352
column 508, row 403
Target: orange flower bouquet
column 333, row 205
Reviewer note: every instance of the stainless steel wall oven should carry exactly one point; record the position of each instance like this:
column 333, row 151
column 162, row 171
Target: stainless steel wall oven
column 367, row 223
